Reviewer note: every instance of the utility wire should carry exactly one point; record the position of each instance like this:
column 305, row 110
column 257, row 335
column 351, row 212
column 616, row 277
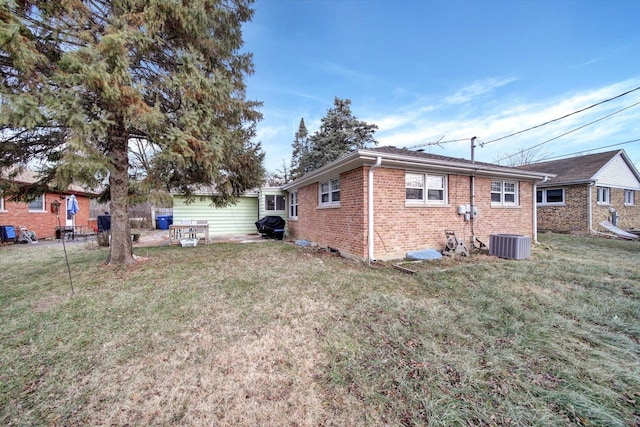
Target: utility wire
column 563, row 117
column 568, row 132
column 586, row 151
column 483, row 143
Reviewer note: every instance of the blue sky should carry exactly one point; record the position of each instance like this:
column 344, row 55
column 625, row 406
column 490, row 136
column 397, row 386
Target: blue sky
column 446, row 70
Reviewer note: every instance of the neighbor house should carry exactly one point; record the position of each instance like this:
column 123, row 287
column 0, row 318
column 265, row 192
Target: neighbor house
column 238, row 218
column 587, row 190
column 38, row 215
column 380, row 203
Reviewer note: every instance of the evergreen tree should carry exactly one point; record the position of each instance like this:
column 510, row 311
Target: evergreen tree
column 300, row 151
column 82, row 78
column 340, row 133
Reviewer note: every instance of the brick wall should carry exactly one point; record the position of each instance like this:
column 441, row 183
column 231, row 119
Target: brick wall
column 42, row 223
column 573, row 217
column 342, row 228
column 399, row 227
column 628, row 216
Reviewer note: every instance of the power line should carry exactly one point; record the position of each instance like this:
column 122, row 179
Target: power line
column 587, row 151
column 563, row 117
column 568, row 132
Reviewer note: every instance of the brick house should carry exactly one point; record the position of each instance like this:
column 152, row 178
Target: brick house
column 382, row 202
column 38, row 215
column 586, row 191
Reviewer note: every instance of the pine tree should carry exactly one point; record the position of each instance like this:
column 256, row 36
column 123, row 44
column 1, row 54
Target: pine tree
column 300, row 151
column 340, row 133
column 82, row 78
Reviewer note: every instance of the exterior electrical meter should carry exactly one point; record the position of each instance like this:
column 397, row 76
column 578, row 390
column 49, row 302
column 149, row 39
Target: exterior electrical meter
column 468, row 211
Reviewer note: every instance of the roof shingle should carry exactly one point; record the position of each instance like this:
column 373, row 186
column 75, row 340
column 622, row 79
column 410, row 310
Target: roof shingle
column 573, row 169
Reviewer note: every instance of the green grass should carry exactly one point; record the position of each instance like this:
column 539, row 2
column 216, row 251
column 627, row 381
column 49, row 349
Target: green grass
column 272, row 334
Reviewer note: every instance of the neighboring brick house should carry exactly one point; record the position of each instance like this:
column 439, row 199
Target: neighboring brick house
column 586, row 191
column 38, row 215
column 382, row 202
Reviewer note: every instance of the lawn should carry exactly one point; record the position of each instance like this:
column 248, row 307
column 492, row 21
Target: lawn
column 273, row 334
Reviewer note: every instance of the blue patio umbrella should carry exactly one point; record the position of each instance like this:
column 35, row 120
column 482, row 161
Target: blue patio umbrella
column 72, row 205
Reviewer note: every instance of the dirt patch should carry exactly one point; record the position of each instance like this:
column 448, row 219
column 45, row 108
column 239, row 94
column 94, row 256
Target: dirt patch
column 45, row 304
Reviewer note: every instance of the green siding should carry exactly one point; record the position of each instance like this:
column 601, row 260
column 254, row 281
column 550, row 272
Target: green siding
column 235, row 219
column 278, row 192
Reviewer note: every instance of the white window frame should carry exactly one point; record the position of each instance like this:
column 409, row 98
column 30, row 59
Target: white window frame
column 293, row 205
column 275, row 197
column 545, row 201
column 424, row 180
column 503, row 193
column 40, row 208
column 629, row 197
column 330, row 189
column 604, row 195
column 2, row 201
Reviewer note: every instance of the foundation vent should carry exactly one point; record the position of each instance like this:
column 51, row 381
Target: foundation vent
column 510, row 246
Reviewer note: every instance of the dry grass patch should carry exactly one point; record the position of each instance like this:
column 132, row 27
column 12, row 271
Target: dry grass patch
column 271, row 334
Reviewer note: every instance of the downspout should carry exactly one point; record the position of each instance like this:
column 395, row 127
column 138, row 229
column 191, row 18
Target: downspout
column 370, row 255
column 590, row 209
column 535, row 209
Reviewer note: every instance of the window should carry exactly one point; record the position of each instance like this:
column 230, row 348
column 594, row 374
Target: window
column 550, row 196
column 37, row 205
column 293, row 205
column 274, row 202
column 504, row 193
column 1, row 201
column 629, row 198
column 330, row 192
column 417, row 185
column 604, row 195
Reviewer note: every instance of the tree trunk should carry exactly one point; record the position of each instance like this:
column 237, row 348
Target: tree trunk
column 121, row 247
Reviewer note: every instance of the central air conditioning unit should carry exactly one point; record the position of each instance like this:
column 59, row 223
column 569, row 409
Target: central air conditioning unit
column 510, row 246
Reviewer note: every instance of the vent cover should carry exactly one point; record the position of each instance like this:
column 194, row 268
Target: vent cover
column 511, row 246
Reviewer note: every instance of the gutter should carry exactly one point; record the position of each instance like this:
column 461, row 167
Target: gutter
column 370, row 237
column 361, row 157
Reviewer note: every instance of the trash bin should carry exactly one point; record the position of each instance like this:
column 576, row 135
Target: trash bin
column 164, row 221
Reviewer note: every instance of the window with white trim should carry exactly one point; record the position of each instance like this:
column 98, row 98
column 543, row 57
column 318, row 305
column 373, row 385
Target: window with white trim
column 604, row 195
column 37, row 204
column 274, row 202
column 293, row 205
column 629, row 197
column 1, row 201
column 550, row 196
column 504, row 193
column 425, row 188
column 330, row 192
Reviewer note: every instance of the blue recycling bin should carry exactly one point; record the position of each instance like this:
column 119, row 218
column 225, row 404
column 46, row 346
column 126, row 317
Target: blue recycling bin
column 164, row 221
